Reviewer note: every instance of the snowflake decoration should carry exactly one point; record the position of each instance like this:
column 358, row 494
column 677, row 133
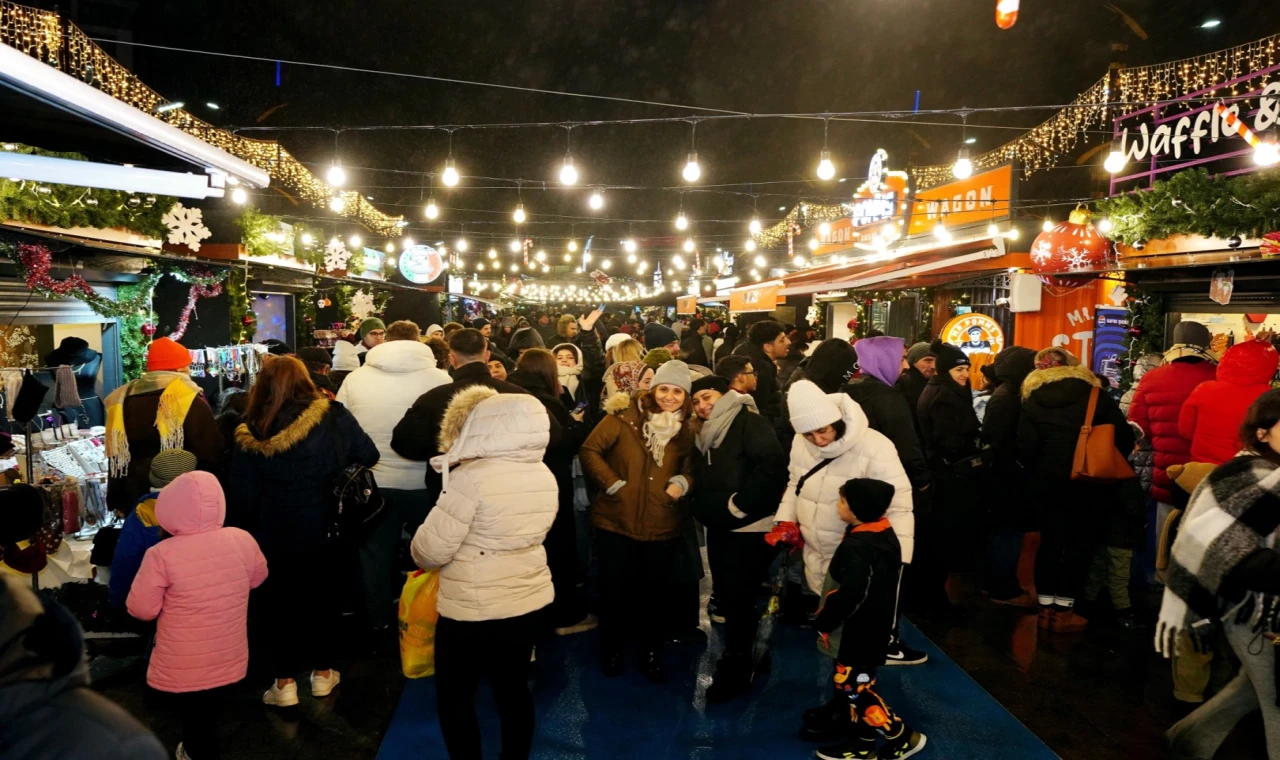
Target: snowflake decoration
column 336, row 255
column 1041, row 252
column 186, row 226
column 1075, row 258
column 362, row 304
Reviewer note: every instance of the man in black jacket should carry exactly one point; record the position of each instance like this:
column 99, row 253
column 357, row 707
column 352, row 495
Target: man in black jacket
column 880, row 362
column 741, row 472
column 415, row 437
column 921, row 365
column 766, row 343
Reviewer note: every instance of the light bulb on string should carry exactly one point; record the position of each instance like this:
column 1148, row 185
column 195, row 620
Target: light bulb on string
column 307, row 239
column 754, row 226
column 479, row 266
column 391, row 261
column 572, row 246
column 1012, row 234
column 596, row 201
column 993, row 230
column 963, row 168
column 462, row 245
column 605, row 264
column 940, row 231
column 682, row 222
column 1105, row 225
column 337, row 204
column 407, row 243
column 1266, row 154
column 826, row 169
column 1115, row 162
column 450, row 175
column 568, row 172
column 759, row 261
column 799, row 261
column 239, row 196
column 493, row 254
column 336, row 175
column 692, row 170
column 518, row 215
column 631, row 258
column 568, row 257
column 689, row 245
column 432, row 210
column 629, row 245
column 355, row 241
column 1048, row 225
column 514, row 246
column 541, row 256
column 515, row 267
column 824, row 229
column 813, row 244
column 749, row 246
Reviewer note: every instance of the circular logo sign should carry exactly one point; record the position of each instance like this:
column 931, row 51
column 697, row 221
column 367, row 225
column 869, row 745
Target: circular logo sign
column 875, row 172
column 974, row 334
column 421, row 264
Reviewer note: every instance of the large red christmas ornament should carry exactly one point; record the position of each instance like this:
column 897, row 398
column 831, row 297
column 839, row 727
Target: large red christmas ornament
column 1007, row 13
column 1073, row 245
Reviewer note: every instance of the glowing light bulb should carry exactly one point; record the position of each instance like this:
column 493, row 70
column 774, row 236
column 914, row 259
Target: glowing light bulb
column 692, row 171
column 336, row 204
column 1266, row 154
column 541, row 256
column 391, row 261
column 826, row 169
column 568, row 173
column 940, row 232
column 631, row 258
column 596, row 201
column 239, row 196
column 519, row 215
column 586, row 258
column 759, row 261
column 677, row 262
column 963, row 168
column 689, row 245
column 572, row 246
column 514, row 246
column 462, row 245
column 407, row 243
column 754, row 226
column 629, row 245
column 1012, row 234
column 606, row 264
column 682, row 222
column 493, row 254
column 432, row 211
column 1115, row 162
column 355, row 241
column 1105, row 225
column 480, row 266
column 308, row 240
column 545, row 269
column 992, row 229
column 749, row 246
column 336, row 176
column 515, row 267
column 799, row 260
column 1047, row 226
column 824, row 229
column 450, row 176
column 568, row 258
column 813, row 244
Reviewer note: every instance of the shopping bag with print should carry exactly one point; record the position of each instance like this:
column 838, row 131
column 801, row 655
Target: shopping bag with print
column 418, row 617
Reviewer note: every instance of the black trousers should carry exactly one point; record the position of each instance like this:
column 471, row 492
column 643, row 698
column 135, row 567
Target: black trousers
column 382, row 581
column 634, row 588
column 302, row 595
column 199, row 712
column 561, row 545
column 467, row 652
column 1067, row 534
column 739, row 563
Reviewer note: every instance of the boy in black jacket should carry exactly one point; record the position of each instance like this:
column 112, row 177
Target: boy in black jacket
column 866, row 568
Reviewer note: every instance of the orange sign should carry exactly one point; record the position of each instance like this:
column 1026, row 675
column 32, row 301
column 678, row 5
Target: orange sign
column 755, row 299
column 687, row 305
column 981, row 198
column 878, row 201
column 974, row 333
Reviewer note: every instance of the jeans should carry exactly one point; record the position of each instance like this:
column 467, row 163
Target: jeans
column 378, row 552
column 739, row 563
column 1003, row 552
column 467, row 652
column 1198, row 736
column 199, row 711
column 303, row 614
column 635, row 588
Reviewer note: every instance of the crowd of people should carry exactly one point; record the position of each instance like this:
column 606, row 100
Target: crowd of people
column 855, row 469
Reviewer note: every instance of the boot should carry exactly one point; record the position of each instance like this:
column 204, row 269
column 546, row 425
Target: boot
column 732, row 678
column 1047, row 614
column 651, row 666
column 1067, row 621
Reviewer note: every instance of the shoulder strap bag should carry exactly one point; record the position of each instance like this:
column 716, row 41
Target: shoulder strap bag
column 1097, row 458
column 354, row 498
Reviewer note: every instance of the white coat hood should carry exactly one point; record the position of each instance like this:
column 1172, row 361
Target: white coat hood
column 481, row 423
column 400, row 356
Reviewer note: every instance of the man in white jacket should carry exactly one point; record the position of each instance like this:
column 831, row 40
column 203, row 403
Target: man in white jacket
column 394, row 375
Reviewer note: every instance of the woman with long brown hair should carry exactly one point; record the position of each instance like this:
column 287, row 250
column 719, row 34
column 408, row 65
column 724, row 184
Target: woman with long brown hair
column 286, row 453
column 640, row 458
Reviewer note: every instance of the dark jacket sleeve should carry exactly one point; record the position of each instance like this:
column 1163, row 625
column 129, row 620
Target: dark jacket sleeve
column 899, row 427
column 949, row 425
column 202, row 436
column 415, row 436
column 361, row 449
column 766, row 470
column 852, row 571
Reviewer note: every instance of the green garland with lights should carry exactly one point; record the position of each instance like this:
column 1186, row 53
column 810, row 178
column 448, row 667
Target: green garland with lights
column 133, row 343
column 1194, row 203
column 68, row 206
column 268, row 235
column 1146, row 314
column 242, row 318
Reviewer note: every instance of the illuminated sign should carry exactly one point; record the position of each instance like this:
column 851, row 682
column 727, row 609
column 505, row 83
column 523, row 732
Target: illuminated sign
column 877, row 201
column 421, row 264
column 982, row 198
column 974, row 333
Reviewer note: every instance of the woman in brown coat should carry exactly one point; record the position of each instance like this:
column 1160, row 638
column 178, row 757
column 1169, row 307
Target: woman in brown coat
column 640, row 457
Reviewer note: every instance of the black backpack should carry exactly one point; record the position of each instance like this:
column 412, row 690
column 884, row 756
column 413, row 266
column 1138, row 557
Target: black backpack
column 354, row 499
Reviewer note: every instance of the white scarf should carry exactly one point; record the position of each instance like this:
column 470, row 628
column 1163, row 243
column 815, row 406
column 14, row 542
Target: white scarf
column 569, row 378
column 659, row 429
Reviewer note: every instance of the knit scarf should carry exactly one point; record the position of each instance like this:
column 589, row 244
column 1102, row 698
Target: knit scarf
column 178, row 391
column 569, row 378
column 1232, row 513
column 1185, row 350
column 659, row 429
column 713, row 430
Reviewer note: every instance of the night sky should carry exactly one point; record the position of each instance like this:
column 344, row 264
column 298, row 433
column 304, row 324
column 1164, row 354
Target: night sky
column 744, row 55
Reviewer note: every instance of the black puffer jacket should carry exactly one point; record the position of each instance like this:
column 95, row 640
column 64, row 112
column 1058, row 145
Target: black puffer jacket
column 1054, row 401
column 768, row 393
column 1007, row 503
column 749, row 462
column 948, row 425
column 887, row 413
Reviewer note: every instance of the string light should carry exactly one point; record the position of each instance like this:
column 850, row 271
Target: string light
column 963, row 168
column 606, row 264
column 239, row 196
column 826, row 169
column 1012, row 234
column 336, row 204
column 432, row 211
column 308, row 240
column 682, row 222
column 1115, row 162
column 493, row 253
column 813, row 244
column 993, row 230
column 407, row 243
column 799, row 260
column 759, row 261
column 692, row 171
column 336, row 176
column 629, row 245
column 677, row 262
column 1266, row 154
column 355, row 241
column 631, row 258
column 824, row 229
column 940, row 231
column 519, row 215
column 480, row 266
column 515, row 267
column 689, row 245
column 391, row 261
column 754, row 227
column 568, row 173
column 586, row 258
column 540, row 256
column 514, row 246
column 749, row 246
column 596, row 201
column 1048, row 225
column 573, row 245
column 450, row 175
column 568, row 257
column 462, row 245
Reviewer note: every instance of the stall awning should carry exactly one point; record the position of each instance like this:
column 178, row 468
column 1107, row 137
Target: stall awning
column 905, row 267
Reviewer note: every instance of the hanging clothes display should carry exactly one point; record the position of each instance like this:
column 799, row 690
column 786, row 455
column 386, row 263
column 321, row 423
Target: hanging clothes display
column 84, row 363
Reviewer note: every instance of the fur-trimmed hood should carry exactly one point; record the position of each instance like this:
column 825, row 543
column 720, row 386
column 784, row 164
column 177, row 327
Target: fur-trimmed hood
column 481, row 423
column 618, row 403
column 290, row 436
column 1043, row 377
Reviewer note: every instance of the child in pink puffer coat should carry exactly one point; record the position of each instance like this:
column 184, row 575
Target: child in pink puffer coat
column 197, row 583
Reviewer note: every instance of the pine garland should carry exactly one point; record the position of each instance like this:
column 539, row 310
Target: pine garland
column 1193, row 203
column 266, row 235
column 1146, row 333
column 133, row 344
column 242, row 316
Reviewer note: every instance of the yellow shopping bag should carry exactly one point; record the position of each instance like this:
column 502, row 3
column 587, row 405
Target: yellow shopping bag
column 418, row 617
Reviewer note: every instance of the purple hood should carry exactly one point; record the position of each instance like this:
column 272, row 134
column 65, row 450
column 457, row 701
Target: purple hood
column 881, row 357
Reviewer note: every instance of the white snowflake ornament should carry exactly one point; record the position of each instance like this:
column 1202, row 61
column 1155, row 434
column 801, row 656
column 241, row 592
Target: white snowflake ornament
column 362, row 305
column 336, row 255
column 186, row 226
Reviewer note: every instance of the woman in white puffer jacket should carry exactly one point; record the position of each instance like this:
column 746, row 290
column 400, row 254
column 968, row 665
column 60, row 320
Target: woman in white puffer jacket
column 485, row 534
column 833, row 428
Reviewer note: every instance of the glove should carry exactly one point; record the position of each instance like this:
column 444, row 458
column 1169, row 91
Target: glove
column 785, row 533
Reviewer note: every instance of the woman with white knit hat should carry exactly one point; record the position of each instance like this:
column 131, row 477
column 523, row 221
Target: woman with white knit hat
column 833, row 444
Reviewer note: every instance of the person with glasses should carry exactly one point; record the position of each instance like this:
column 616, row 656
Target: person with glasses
column 739, row 373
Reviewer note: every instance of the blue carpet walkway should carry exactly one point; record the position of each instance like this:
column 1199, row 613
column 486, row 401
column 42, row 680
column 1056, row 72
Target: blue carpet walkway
column 582, row 714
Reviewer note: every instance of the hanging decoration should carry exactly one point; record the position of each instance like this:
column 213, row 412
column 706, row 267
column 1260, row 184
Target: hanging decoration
column 336, row 255
column 1070, row 246
column 362, row 304
column 243, row 320
column 186, row 226
column 1006, row 13
column 35, row 263
column 196, row 291
column 801, row 216
column 1193, row 203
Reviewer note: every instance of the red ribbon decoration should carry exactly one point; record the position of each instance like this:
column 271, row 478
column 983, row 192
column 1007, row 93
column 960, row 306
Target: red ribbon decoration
column 197, row 291
column 38, row 262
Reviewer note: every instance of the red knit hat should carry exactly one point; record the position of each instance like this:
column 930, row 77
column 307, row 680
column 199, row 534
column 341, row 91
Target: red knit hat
column 167, row 354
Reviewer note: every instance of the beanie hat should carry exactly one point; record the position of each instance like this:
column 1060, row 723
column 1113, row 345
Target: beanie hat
column 313, row 354
column 657, row 357
column 809, row 407
column 169, row 464
column 949, row 356
column 674, row 372
column 917, row 352
column 480, row 324
column 1055, row 356
column 21, row 512
column 710, row 383
column 524, row 339
column 1191, row 334
column 867, row 498
column 277, row 347
column 614, row 340
column 166, row 354
column 369, row 325
column 658, row 336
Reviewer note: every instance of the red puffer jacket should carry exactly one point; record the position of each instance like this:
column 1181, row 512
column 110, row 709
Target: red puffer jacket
column 1156, row 407
column 1214, row 411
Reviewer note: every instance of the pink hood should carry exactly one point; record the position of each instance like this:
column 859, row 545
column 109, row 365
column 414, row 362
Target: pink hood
column 192, row 503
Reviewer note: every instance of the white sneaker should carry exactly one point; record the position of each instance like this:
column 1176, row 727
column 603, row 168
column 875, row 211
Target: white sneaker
column 322, row 685
column 588, row 623
column 286, row 697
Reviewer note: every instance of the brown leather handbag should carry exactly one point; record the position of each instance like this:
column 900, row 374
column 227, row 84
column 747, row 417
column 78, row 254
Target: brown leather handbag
column 1097, row 458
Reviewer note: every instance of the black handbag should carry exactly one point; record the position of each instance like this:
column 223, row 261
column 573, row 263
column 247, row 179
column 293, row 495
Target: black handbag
column 354, row 499
column 972, row 466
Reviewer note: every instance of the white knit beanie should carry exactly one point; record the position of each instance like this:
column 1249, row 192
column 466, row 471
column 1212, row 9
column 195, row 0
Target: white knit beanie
column 810, row 408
